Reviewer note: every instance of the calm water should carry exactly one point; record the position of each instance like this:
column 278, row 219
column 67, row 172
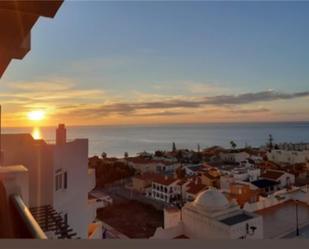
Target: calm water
column 117, row 140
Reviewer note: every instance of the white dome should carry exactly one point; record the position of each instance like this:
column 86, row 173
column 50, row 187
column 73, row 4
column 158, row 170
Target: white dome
column 211, row 200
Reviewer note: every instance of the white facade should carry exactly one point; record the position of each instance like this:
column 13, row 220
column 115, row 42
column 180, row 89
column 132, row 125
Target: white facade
column 234, row 157
column 165, row 192
column 288, row 156
column 239, row 174
column 294, row 146
column 58, row 176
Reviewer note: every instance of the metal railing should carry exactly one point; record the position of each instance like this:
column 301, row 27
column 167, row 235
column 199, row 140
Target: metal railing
column 26, row 220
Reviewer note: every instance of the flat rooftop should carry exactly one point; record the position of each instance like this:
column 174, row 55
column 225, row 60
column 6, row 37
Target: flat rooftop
column 281, row 219
column 236, row 219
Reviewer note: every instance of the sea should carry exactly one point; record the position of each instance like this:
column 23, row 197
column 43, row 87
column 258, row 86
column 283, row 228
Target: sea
column 116, row 140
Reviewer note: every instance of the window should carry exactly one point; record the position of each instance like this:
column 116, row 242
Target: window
column 61, row 180
column 65, row 219
column 65, row 176
column 58, row 181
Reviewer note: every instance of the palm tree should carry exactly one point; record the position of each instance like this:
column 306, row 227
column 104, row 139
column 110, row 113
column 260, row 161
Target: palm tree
column 233, row 144
column 174, row 147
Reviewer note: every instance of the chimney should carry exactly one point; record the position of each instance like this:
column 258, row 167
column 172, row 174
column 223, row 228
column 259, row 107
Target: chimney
column 61, row 134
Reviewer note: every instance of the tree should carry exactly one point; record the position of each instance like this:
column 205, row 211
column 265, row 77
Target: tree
column 126, row 155
column 159, row 153
column 233, row 144
column 174, row 147
column 104, row 155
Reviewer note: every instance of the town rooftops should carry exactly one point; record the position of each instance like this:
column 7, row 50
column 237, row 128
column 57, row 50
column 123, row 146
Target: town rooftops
column 264, row 183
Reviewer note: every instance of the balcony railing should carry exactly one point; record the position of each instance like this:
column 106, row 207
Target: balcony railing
column 24, row 221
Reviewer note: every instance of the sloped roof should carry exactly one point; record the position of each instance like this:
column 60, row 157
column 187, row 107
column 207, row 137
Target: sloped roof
column 272, row 174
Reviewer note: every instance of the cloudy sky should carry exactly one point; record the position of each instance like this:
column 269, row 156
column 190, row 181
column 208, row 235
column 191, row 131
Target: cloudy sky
column 163, row 62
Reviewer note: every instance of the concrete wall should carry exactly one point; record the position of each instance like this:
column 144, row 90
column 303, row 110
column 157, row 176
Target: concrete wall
column 72, row 158
column 197, row 226
column 36, row 156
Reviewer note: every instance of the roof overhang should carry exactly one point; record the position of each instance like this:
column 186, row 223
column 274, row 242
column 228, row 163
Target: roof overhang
column 17, row 19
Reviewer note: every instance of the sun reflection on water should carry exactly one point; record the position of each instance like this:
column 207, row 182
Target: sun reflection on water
column 36, row 133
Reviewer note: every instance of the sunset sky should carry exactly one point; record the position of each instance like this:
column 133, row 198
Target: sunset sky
column 163, row 62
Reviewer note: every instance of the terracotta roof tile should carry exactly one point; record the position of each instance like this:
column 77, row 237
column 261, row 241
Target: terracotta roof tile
column 272, row 174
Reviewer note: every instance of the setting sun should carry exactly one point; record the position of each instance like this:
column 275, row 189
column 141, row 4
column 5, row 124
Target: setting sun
column 36, row 115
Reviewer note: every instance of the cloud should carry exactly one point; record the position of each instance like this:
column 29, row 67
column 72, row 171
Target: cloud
column 227, row 101
column 55, row 91
column 164, row 113
column 52, row 85
column 248, row 98
column 249, row 111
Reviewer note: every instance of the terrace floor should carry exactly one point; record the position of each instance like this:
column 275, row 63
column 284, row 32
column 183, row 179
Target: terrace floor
column 132, row 218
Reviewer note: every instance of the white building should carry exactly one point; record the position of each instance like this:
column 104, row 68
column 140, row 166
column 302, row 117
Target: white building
column 294, row 146
column 166, row 189
column 288, row 156
column 211, row 216
column 241, row 173
column 233, row 157
column 58, row 176
column 283, row 178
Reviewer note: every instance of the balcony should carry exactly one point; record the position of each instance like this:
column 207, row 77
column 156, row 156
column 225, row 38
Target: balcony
column 16, row 221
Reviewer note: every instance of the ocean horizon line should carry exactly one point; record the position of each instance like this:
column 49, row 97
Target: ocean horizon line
column 162, row 124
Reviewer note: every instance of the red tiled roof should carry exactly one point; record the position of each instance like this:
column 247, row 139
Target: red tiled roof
column 207, row 174
column 195, row 188
column 272, row 174
column 165, row 180
column 182, row 182
column 147, row 176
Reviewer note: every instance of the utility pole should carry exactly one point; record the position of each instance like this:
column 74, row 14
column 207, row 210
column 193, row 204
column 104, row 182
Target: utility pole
column 297, row 228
